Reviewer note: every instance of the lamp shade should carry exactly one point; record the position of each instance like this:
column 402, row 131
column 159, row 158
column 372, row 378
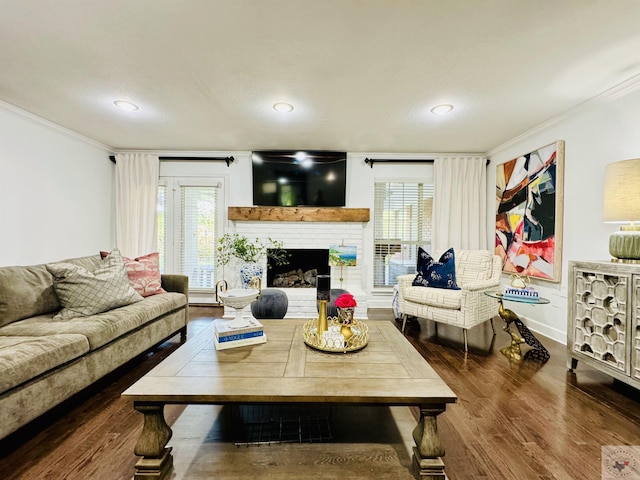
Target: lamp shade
column 622, row 205
column 622, row 192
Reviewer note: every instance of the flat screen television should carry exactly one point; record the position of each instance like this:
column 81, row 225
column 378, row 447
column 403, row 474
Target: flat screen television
column 299, row 178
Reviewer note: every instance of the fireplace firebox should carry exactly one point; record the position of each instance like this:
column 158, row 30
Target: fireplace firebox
column 305, row 264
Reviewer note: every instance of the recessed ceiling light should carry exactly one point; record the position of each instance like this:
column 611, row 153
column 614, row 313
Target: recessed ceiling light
column 283, row 107
column 124, row 105
column 442, row 109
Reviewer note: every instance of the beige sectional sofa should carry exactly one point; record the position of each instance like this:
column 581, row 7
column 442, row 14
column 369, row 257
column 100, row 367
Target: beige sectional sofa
column 44, row 360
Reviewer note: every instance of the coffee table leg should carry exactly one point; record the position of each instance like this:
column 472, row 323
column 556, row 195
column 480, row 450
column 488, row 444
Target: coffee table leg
column 428, row 453
column 156, row 461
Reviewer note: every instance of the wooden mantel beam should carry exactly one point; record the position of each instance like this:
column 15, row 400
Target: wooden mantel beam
column 298, row 214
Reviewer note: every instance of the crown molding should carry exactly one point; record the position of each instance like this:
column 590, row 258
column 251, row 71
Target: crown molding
column 187, row 153
column 622, row 89
column 410, row 156
column 614, row 93
column 54, row 126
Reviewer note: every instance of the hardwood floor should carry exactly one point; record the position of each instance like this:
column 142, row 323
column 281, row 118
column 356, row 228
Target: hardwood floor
column 511, row 421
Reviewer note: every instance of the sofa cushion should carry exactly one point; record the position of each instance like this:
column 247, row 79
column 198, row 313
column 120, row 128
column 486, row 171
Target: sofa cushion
column 100, row 328
column 24, row 358
column 436, row 274
column 144, row 273
column 435, row 297
column 84, row 293
column 26, row 292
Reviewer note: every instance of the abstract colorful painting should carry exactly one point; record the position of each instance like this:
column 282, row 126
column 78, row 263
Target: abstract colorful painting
column 529, row 205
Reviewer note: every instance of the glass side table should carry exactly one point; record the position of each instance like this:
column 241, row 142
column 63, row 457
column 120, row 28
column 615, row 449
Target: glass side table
column 521, row 333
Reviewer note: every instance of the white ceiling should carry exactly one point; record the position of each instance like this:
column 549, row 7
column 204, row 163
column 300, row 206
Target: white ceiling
column 362, row 74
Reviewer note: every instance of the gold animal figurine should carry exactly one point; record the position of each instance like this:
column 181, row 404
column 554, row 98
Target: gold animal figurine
column 520, row 334
column 513, row 351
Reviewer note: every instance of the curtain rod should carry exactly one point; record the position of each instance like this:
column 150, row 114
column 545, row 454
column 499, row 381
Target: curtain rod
column 371, row 161
column 229, row 160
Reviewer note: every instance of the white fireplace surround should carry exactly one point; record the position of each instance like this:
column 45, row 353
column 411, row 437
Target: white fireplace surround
column 302, row 302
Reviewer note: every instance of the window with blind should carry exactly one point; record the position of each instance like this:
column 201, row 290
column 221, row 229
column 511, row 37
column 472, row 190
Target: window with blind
column 189, row 216
column 402, row 223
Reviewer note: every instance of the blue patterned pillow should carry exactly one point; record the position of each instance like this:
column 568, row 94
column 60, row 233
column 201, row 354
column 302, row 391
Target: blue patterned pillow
column 440, row 274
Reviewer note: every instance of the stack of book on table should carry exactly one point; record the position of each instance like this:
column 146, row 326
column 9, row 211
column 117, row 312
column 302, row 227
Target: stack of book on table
column 529, row 293
column 226, row 335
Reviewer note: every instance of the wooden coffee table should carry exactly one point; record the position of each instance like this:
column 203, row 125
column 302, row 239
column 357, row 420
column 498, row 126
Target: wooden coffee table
column 389, row 371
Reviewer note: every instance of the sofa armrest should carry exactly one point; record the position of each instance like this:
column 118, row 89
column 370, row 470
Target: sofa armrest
column 175, row 283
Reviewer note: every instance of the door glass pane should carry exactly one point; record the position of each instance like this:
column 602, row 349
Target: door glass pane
column 198, row 242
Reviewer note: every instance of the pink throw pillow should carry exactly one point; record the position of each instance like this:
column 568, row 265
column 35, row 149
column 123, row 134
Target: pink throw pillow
column 143, row 273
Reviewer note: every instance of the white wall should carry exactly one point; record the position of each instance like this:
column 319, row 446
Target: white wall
column 599, row 132
column 56, row 191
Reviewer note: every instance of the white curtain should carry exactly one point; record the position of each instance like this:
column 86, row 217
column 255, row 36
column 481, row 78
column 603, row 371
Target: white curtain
column 136, row 203
column 460, row 203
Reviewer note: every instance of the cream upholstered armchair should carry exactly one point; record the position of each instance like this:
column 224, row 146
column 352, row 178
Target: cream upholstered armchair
column 477, row 272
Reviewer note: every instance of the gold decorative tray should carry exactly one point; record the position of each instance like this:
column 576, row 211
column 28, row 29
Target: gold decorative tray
column 333, row 340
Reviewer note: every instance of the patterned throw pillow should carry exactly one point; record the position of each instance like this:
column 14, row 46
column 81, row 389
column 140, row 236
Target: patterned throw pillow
column 144, row 273
column 83, row 293
column 440, row 274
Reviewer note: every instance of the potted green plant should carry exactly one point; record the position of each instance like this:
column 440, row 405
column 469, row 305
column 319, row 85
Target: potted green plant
column 233, row 246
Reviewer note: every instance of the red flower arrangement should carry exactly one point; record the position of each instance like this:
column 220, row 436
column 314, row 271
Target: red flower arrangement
column 346, row 300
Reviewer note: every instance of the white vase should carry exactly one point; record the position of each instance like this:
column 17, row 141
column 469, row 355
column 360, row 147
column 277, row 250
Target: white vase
column 248, row 271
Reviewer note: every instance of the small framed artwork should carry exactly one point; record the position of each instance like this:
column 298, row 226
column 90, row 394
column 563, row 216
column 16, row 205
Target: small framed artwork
column 342, row 255
column 529, row 206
